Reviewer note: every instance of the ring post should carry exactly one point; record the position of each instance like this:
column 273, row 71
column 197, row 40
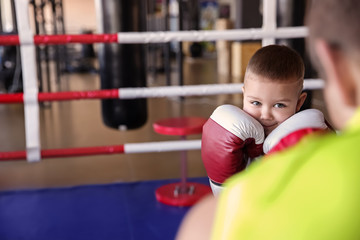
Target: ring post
column 28, row 60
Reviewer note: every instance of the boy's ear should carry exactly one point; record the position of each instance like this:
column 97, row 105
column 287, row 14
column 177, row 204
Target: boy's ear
column 242, row 88
column 301, row 101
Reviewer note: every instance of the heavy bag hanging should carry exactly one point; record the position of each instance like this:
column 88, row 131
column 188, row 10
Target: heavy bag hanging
column 122, row 65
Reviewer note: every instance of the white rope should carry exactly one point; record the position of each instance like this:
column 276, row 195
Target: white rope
column 313, row 84
column 211, row 35
column 181, row 145
column 197, row 90
column 172, row 91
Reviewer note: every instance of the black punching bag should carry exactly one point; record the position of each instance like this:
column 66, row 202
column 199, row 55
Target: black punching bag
column 122, row 65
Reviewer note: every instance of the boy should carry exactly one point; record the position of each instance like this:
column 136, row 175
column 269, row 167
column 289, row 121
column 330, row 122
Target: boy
column 272, row 93
column 311, row 191
column 273, row 86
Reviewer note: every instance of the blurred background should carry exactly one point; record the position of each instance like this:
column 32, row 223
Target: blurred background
column 80, row 67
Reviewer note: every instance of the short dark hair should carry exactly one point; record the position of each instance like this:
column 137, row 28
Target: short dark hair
column 277, row 62
column 337, row 22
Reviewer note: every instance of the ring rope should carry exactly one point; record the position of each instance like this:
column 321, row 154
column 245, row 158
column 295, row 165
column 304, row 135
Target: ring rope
column 62, row 39
column 161, row 36
column 149, row 92
column 147, row 147
column 30, row 83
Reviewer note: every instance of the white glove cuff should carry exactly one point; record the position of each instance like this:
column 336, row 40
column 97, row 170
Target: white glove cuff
column 238, row 123
column 310, row 118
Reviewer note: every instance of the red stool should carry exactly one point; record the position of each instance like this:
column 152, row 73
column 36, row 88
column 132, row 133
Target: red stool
column 183, row 193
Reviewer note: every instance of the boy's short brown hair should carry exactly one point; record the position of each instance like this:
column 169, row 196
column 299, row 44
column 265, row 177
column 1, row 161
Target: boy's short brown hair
column 278, row 63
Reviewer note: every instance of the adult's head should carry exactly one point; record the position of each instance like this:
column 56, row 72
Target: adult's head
column 334, row 46
column 273, row 85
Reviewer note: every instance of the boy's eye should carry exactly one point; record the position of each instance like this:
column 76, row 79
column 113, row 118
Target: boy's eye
column 279, row 105
column 256, row 103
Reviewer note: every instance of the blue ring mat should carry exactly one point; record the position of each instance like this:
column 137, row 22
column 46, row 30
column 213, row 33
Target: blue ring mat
column 107, row 211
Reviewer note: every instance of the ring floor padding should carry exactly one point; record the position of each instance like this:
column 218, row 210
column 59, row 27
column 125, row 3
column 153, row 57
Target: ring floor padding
column 110, row 211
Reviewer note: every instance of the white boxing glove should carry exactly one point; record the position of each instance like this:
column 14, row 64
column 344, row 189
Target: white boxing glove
column 293, row 129
column 227, row 136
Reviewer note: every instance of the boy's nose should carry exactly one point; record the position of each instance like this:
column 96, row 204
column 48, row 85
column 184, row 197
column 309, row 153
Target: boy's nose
column 266, row 114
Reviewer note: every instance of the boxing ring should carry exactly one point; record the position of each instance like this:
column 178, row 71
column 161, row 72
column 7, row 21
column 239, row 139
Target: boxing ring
column 107, row 211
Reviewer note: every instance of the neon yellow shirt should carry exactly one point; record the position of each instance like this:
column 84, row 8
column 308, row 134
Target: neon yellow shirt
column 311, row 191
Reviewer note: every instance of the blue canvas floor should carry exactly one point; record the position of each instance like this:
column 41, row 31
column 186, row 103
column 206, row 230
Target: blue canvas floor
column 111, row 211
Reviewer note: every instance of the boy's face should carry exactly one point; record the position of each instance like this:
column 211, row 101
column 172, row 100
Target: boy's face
column 271, row 102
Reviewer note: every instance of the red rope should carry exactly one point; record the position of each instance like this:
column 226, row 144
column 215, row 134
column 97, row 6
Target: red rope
column 9, row 40
column 11, row 98
column 65, row 152
column 62, row 39
column 62, row 96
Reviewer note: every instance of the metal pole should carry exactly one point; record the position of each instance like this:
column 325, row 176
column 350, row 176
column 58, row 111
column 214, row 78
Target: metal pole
column 37, row 48
column 180, row 50
column 167, row 63
column 55, row 31
column 46, row 47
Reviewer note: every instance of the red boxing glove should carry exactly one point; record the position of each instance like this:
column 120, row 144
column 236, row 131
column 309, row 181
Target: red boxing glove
column 293, row 129
column 228, row 134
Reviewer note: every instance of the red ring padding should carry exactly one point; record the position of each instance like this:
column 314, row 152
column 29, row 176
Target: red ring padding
column 179, row 126
column 165, row 194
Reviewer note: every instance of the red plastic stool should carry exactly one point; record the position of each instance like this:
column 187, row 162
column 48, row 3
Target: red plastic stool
column 183, row 193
